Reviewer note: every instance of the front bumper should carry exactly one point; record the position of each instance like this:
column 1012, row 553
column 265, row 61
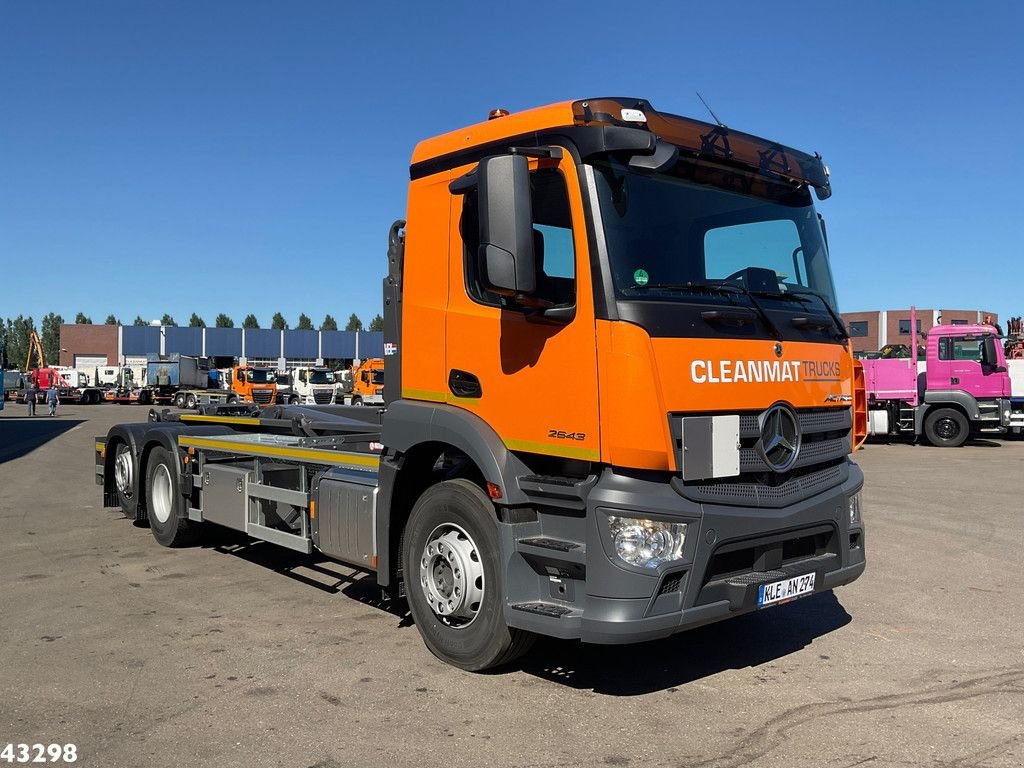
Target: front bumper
column 729, row 552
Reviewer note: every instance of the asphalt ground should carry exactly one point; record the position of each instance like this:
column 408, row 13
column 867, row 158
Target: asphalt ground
column 238, row 654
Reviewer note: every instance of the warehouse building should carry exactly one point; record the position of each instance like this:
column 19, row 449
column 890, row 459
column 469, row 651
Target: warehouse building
column 871, row 331
column 89, row 346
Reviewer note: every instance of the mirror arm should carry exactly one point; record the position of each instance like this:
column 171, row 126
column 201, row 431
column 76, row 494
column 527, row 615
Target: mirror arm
column 552, row 152
column 465, row 183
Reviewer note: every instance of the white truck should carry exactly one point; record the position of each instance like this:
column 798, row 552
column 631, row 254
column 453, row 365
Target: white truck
column 310, row 386
column 113, row 376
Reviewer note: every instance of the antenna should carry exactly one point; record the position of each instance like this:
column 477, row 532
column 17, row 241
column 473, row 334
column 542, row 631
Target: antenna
column 719, row 122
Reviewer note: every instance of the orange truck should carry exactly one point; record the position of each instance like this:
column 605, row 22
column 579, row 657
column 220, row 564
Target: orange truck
column 550, row 261
column 367, row 383
column 187, row 381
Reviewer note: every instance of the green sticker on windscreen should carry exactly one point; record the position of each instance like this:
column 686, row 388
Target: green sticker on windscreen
column 640, row 277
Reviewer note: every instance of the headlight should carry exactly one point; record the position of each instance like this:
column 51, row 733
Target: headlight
column 646, row 543
column 855, row 509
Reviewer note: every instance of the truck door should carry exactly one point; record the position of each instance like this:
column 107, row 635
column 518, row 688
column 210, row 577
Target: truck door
column 533, row 380
column 960, row 366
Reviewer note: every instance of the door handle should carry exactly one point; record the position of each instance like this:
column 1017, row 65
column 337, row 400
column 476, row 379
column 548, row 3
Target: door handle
column 464, row 384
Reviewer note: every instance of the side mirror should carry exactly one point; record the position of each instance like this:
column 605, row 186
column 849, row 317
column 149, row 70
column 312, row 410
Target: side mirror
column 506, row 228
column 988, row 351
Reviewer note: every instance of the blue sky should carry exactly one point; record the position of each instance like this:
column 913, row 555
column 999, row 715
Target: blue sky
column 249, row 156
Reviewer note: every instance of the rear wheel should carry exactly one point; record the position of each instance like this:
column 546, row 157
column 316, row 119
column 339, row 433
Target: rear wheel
column 946, row 427
column 179, row 400
column 124, row 478
column 166, row 506
column 455, row 581
column 190, row 401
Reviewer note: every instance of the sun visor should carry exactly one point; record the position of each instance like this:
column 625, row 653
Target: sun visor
column 708, row 141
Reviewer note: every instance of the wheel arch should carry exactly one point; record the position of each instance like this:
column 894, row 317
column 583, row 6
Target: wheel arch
column 416, row 434
column 962, row 404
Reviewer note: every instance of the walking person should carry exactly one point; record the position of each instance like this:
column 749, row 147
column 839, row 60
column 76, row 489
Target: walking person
column 30, row 398
column 52, row 399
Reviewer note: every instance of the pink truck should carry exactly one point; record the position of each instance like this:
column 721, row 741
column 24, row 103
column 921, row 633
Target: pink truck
column 964, row 386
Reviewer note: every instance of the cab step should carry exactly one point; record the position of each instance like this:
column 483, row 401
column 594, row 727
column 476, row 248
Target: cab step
column 551, row 610
column 547, row 549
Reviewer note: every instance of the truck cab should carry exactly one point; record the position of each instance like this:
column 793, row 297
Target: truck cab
column 368, row 382
column 311, row 386
column 254, row 385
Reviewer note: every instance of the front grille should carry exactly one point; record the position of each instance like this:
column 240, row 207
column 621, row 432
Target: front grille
column 262, row 396
column 820, row 465
column 322, row 398
column 751, row 493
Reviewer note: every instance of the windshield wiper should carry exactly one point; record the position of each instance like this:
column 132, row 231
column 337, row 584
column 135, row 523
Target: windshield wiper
column 722, row 288
column 801, row 296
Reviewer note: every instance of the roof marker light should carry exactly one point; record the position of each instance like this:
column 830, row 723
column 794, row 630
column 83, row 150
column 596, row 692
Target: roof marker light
column 497, row 112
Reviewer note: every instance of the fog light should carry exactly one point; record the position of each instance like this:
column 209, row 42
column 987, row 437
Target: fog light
column 855, row 509
column 646, row 543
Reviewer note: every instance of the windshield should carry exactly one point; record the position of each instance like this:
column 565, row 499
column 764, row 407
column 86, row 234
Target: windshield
column 320, row 377
column 262, row 376
column 666, row 232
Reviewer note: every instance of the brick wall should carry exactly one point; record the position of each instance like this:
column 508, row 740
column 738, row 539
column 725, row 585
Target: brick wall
column 926, row 318
column 88, row 340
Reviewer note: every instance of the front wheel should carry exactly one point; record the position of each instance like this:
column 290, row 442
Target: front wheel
column 179, row 400
column 166, row 506
column 946, row 428
column 357, row 400
column 293, row 400
column 455, row 580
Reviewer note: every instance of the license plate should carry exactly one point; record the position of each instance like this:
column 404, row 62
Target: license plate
column 785, row 590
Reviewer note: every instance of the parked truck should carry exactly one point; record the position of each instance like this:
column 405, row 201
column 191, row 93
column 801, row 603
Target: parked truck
column 552, row 259
column 187, row 382
column 309, row 386
column 118, row 376
column 72, row 385
column 964, row 386
column 14, row 384
column 367, row 383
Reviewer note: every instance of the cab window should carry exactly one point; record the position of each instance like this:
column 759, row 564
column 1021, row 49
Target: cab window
column 552, row 237
column 960, row 349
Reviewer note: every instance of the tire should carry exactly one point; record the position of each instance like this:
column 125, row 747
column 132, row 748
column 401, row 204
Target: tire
column 232, row 400
column 165, row 505
column 179, row 400
column 357, row 400
column 190, row 402
column 946, row 427
column 450, row 551
column 125, row 472
column 293, row 400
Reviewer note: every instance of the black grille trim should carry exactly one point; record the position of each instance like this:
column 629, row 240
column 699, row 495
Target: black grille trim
column 750, row 493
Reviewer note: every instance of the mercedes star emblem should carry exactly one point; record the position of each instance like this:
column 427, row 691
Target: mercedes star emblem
column 780, row 437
